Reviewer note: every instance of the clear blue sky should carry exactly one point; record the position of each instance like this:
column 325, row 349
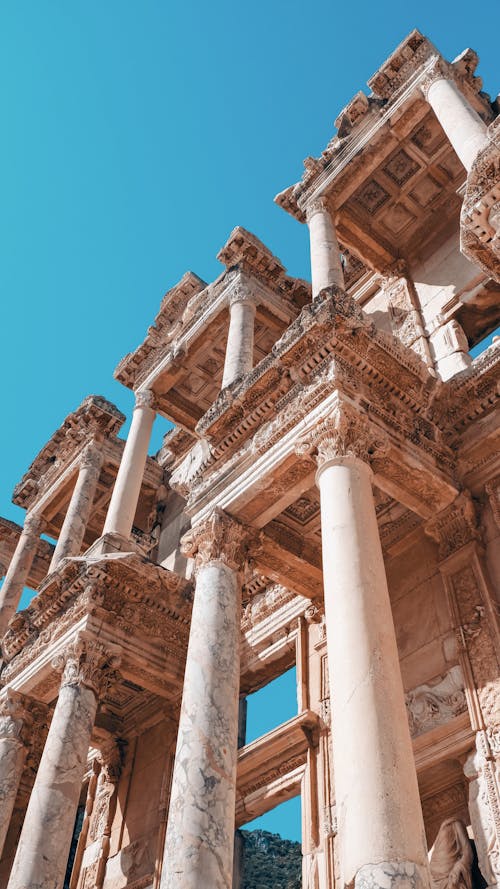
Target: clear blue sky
column 135, row 136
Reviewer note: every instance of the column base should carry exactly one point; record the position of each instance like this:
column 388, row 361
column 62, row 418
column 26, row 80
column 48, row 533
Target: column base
column 391, row 875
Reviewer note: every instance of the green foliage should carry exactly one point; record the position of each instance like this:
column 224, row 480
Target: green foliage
column 269, row 862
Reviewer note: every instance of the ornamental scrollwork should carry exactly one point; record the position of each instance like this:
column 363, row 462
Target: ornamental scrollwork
column 218, row 539
column 88, row 662
column 343, row 433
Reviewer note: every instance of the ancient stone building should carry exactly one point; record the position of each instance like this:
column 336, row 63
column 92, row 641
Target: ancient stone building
column 329, row 497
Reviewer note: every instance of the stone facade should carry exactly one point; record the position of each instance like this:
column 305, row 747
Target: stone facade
column 328, row 498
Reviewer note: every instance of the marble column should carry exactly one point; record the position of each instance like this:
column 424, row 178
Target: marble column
column 78, row 512
column 43, row 849
column 460, row 121
column 15, row 723
column 380, row 827
column 125, row 496
column 19, row 568
column 240, row 338
column 326, row 265
column 200, row 830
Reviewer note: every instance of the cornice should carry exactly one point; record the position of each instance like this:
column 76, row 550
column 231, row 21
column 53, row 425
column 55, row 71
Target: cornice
column 144, row 599
column 360, row 125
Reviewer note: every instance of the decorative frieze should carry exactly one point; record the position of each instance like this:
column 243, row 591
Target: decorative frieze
column 434, row 703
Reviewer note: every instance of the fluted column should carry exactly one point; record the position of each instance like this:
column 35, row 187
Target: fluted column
column 19, row 568
column 380, row 827
column 460, row 121
column 125, row 496
column 45, row 841
column 240, row 338
column 78, row 512
column 200, row 831
column 326, row 265
column 15, row 723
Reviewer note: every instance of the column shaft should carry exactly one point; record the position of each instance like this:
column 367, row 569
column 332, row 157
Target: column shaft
column 13, row 750
column 19, row 569
column 43, row 850
column 326, row 266
column 78, row 512
column 240, row 338
column 461, row 123
column 125, row 496
column 200, row 831
column 378, row 807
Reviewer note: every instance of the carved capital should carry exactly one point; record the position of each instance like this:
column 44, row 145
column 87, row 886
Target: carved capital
column 454, row 526
column 91, row 457
column 145, row 398
column 317, row 205
column 344, row 433
column 90, row 663
column 314, row 612
column 34, row 524
column 218, row 539
column 15, row 718
column 437, row 69
column 243, row 292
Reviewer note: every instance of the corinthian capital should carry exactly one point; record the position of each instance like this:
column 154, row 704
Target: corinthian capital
column 145, row 398
column 243, row 292
column 344, row 433
column 317, row 205
column 88, row 662
column 218, row 539
column 92, row 456
column 437, row 69
column 34, row 524
column 15, row 718
column 454, row 526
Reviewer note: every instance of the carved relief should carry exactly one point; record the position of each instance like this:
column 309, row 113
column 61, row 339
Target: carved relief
column 345, row 433
column 219, row 538
column 450, row 859
column 90, row 663
column 435, row 703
